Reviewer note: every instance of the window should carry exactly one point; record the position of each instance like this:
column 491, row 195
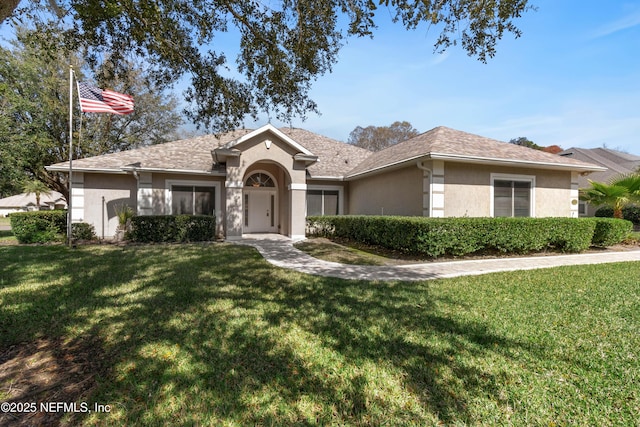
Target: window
column 512, row 198
column 322, row 202
column 192, row 200
column 259, row 180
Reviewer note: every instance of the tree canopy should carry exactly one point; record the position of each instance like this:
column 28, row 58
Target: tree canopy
column 523, row 141
column 283, row 46
column 376, row 138
column 34, row 128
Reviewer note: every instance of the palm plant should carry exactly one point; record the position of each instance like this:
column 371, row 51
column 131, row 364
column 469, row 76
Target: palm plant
column 36, row 187
column 618, row 193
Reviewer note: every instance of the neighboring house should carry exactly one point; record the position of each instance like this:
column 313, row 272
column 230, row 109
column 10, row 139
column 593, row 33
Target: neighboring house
column 27, row 202
column 268, row 180
column 616, row 163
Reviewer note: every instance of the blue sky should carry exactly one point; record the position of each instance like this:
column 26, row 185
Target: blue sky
column 572, row 79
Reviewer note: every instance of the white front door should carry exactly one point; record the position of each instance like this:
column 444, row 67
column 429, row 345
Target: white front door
column 260, row 211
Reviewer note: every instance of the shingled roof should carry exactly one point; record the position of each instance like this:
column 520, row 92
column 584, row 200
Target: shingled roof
column 336, row 160
column 450, row 144
column 616, row 162
column 194, row 155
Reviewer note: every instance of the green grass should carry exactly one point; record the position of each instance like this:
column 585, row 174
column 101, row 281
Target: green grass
column 329, row 251
column 7, row 238
column 213, row 335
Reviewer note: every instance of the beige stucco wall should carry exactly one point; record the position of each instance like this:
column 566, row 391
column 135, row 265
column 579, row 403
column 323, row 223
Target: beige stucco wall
column 117, row 190
column 468, row 191
column 398, row 192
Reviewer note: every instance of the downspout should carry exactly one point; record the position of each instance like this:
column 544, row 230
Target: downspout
column 137, row 177
column 421, row 166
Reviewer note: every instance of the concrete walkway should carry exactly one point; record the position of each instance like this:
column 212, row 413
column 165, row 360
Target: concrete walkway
column 279, row 251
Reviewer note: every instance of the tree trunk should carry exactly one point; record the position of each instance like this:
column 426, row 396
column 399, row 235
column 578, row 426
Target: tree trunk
column 6, row 9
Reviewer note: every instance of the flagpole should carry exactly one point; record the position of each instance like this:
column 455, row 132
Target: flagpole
column 69, row 203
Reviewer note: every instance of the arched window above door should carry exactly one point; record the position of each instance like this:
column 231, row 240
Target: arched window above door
column 259, row 180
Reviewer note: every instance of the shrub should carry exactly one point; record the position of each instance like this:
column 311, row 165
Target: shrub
column 39, row 226
column 459, row 236
column 611, row 231
column 630, row 213
column 172, row 228
column 83, row 231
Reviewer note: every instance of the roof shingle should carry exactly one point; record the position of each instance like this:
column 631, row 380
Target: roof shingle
column 443, row 142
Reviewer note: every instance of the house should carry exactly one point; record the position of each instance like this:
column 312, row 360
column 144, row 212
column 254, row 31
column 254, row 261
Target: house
column 268, row 180
column 27, row 202
column 616, row 163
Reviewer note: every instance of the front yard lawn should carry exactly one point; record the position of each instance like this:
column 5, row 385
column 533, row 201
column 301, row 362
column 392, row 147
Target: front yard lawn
column 212, row 334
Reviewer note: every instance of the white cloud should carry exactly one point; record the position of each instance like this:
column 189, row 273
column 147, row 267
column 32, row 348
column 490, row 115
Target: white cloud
column 629, row 21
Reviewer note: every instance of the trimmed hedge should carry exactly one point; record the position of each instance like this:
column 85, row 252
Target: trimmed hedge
column 461, row 236
column 39, row 226
column 172, row 228
column 610, row 231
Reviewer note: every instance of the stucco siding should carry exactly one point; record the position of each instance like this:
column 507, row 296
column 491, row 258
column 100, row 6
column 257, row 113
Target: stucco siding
column 398, row 192
column 103, row 194
column 468, row 190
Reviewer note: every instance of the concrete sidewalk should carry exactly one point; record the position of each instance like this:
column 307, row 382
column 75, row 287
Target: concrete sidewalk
column 279, row 251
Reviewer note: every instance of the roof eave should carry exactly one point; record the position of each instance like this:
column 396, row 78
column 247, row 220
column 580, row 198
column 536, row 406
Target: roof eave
column 516, row 162
column 479, row 160
column 129, row 169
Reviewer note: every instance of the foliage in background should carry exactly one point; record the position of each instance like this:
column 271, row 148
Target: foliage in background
column 37, row 188
column 376, row 138
column 283, row 46
column 172, row 228
column 436, row 237
column 34, row 101
column 630, row 213
column 620, row 191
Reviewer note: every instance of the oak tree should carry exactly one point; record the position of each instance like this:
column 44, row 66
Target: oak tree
column 282, row 48
column 376, row 138
column 34, row 128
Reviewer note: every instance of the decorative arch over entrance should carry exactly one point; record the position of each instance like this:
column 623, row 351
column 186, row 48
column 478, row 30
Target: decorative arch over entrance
column 249, row 161
column 260, row 203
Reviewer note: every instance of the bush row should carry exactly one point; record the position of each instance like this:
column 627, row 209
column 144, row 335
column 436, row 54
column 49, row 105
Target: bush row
column 47, row 226
column 172, row 228
column 460, row 236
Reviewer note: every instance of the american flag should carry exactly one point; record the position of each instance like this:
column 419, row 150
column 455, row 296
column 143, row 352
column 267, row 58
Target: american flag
column 96, row 100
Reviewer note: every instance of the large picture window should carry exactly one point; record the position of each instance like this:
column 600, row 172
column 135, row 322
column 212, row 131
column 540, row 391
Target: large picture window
column 192, row 200
column 322, row 202
column 512, row 197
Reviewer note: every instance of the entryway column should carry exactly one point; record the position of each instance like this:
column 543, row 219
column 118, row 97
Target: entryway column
column 233, row 190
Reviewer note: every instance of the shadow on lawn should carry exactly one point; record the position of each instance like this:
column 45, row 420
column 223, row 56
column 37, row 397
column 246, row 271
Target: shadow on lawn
column 208, row 334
